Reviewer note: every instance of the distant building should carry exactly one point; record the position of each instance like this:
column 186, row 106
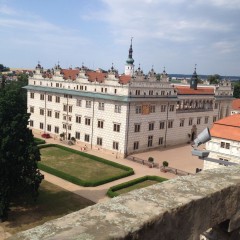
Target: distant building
column 225, row 142
column 235, row 106
column 123, row 113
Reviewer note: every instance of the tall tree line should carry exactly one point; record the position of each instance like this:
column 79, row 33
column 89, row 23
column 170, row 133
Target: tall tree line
column 19, row 154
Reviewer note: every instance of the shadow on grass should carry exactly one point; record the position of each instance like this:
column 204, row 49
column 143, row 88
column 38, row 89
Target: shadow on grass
column 53, row 202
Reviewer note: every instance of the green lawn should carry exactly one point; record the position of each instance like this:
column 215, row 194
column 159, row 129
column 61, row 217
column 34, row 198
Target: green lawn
column 53, row 202
column 136, row 186
column 79, row 166
column 137, row 183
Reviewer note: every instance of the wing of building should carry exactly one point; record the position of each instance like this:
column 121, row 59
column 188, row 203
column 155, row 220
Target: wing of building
column 225, row 142
column 123, row 113
column 235, row 106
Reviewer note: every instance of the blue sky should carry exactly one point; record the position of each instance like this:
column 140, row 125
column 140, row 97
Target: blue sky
column 171, row 33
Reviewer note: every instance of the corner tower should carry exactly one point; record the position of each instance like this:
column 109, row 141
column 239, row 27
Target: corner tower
column 129, row 66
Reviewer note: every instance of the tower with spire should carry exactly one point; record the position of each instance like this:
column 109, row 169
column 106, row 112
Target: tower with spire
column 129, row 66
column 194, row 79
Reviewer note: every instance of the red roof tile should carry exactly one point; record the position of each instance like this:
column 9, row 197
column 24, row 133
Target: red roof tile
column 124, row 79
column 186, row 90
column 227, row 128
column 96, row 76
column 70, row 73
column 236, row 104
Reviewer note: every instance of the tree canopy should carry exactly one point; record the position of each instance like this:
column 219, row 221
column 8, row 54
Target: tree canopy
column 214, row 79
column 3, row 68
column 236, row 91
column 18, row 152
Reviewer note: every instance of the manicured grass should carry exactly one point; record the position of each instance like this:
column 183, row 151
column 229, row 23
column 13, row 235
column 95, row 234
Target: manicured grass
column 39, row 141
column 52, row 202
column 80, row 168
column 134, row 184
column 144, row 184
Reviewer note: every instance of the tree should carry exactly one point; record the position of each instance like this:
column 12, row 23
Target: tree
column 18, row 151
column 214, row 79
column 236, row 91
column 3, row 68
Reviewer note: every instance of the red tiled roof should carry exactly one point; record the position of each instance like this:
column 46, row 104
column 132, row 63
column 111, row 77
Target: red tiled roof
column 124, row 79
column 70, row 73
column 227, row 128
column 186, row 90
column 236, row 104
column 96, row 76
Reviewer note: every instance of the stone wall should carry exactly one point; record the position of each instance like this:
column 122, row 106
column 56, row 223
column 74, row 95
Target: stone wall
column 179, row 209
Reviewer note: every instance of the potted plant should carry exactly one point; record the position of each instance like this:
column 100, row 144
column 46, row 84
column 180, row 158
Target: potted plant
column 151, row 160
column 62, row 136
column 165, row 164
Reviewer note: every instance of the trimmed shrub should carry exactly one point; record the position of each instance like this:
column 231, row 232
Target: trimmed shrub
column 165, row 164
column 112, row 190
column 39, row 141
column 151, row 159
column 81, row 182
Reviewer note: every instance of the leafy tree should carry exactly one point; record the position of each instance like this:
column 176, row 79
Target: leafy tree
column 214, row 79
column 18, row 152
column 23, row 79
column 3, row 68
column 236, row 91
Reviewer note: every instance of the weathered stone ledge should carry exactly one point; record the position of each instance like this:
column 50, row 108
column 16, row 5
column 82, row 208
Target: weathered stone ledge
column 181, row 208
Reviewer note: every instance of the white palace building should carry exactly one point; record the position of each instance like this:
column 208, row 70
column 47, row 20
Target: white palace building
column 124, row 113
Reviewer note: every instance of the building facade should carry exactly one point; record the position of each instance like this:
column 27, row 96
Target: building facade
column 123, row 113
column 225, row 142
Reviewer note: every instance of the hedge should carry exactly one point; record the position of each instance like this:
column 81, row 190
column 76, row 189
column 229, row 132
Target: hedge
column 78, row 181
column 39, row 141
column 112, row 190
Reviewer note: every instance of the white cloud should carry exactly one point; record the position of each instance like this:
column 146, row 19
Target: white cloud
column 224, row 47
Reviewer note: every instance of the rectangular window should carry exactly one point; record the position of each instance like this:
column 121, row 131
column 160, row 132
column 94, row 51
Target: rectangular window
column 151, row 126
column 227, row 145
column 87, row 121
column 171, row 108
column 117, row 109
column 99, row 141
column 100, row 123
column 57, row 114
column 216, row 105
column 163, row 108
column 41, row 125
column 138, row 109
column 116, row 127
column 137, row 92
column 41, row 96
column 65, row 108
column 162, row 125
column 115, row 145
column 181, row 123
column 31, row 109
column 57, row 99
column 150, row 92
column 105, row 90
column 88, row 104
column 49, row 128
column 150, row 141
column 206, row 120
column 190, row 122
column 86, row 138
column 31, row 123
column 69, row 127
column 31, row 95
column 56, row 129
column 152, row 109
column 78, row 119
column 170, row 123
column 160, row 141
column 49, row 113
column 64, row 126
column 214, row 118
column 100, row 106
column 79, row 102
column 77, row 135
column 49, row 98
column 198, row 120
column 69, row 108
column 41, row 111
column 137, row 127
column 162, row 93
column 115, row 91
column 135, row 145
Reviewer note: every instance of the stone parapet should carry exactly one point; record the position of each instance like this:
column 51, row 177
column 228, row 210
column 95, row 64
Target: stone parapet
column 178, row 209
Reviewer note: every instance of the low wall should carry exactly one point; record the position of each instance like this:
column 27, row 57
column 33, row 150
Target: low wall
column 178, row 209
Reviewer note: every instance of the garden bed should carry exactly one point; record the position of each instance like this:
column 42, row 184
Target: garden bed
column 134, row 184
column 79, row 167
